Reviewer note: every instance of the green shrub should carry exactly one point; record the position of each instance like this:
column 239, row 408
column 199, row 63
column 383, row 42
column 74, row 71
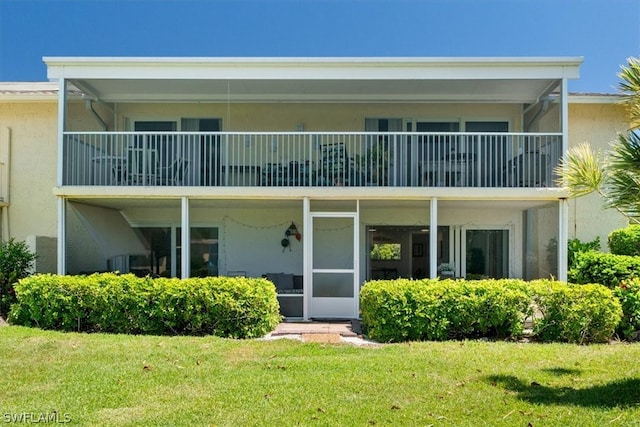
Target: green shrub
column 406, row 310
column 16, row 260
column 403, row 310
column 576, row 246
column 625, row 241
column 603, row 268
column 628, row 293
column 574, row 313
column 230, row 307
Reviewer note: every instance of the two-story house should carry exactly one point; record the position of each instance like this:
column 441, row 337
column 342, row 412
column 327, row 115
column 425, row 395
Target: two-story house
column 320, row 173
column 330, row 171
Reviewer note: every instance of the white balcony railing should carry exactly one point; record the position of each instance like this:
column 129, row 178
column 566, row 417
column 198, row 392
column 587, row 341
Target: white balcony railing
column 404, row 159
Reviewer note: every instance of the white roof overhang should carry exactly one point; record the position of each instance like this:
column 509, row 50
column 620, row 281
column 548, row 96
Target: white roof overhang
column 521, row 80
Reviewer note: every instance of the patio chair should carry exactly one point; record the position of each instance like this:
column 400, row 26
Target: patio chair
column 142, row 166
column 337, row 168
column 174, row 174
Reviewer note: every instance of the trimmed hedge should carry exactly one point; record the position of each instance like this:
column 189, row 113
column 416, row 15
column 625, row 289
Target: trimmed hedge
column 574, row 313
column 235, row 307
column 603, row 268
column 409, row 310
column 625, row 241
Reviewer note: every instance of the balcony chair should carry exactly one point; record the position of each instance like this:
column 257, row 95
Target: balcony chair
column 174, row 174
column 142, row 166
column 336, row 168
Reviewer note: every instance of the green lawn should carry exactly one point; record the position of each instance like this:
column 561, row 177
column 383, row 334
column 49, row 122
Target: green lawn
column 146, row 380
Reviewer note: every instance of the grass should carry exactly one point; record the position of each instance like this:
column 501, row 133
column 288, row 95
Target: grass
column 147, row 380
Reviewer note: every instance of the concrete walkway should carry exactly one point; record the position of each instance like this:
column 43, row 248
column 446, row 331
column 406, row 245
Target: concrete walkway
column 345, row 329
column 321, row 332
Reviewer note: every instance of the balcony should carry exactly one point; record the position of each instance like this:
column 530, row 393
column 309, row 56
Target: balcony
column 308, row 159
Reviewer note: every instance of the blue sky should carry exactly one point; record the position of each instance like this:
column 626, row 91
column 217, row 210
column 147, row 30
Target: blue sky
column 604, row 32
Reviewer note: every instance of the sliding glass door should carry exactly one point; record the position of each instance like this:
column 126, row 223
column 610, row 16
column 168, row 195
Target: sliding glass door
column 487, row 253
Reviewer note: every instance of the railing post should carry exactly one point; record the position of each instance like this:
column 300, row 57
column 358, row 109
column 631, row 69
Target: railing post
column 226, row 160
column 62, row 103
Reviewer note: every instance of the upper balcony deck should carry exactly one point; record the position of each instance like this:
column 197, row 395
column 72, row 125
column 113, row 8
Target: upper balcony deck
column 311, row 159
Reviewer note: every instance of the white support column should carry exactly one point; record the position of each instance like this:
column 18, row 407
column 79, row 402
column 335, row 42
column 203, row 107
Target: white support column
column 433, row 238
column 307, row 241
column 563, row 207
column 356, row 258
column 185, row 241
column 564, row 99
column 62, row 112
column 62, row 202
column 62, row 234
column 563, row 239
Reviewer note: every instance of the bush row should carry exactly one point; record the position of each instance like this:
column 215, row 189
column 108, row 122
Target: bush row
column 625, row 241
column 407, row 310
column 604, row 268
column 229, row 307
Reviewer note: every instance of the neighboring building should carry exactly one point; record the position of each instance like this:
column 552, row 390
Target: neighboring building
column 330, row 171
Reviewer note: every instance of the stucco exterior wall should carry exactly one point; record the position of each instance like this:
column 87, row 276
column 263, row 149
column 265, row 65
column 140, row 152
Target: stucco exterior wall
column 32, row 209
column 314, row 117
column 598, row 125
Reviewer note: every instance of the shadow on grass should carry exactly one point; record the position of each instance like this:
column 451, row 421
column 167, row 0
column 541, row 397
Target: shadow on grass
column 563, row 371
column 622, row 393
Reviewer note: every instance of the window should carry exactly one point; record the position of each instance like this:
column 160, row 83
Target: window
column 164, row 256
column 204, row 251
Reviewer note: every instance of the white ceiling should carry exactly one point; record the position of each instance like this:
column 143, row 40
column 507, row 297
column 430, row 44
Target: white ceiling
column 173, row 90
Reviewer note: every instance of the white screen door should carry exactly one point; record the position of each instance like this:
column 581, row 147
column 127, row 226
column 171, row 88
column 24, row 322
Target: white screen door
column 334, row 260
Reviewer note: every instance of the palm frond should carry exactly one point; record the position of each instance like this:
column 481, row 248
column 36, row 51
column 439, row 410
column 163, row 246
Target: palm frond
column 630, row 87
column 623, row 187
column 583, row 170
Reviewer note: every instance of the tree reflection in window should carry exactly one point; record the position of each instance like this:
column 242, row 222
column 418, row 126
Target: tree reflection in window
column 385, row 251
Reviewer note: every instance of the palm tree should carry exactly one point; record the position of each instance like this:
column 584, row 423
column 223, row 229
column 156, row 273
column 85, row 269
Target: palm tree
column 614, row 175
column 630, row 86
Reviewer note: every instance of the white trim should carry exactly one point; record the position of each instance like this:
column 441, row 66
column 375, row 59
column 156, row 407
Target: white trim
column 185, row 241
column 433, row 238
column 595, row 98
column 563, row 239
column 296, row 193
column 62, row 112
column 327, row 68
column 62, row 233
column 307, row 246
column 564, row 118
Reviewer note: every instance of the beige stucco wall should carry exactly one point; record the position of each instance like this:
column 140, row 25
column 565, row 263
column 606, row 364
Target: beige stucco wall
column 32, row 209
column 314, row 117
column 598, row 125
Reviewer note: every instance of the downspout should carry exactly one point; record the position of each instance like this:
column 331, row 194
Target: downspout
column 5, row 158
column 89, row 106
column 541, row 112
